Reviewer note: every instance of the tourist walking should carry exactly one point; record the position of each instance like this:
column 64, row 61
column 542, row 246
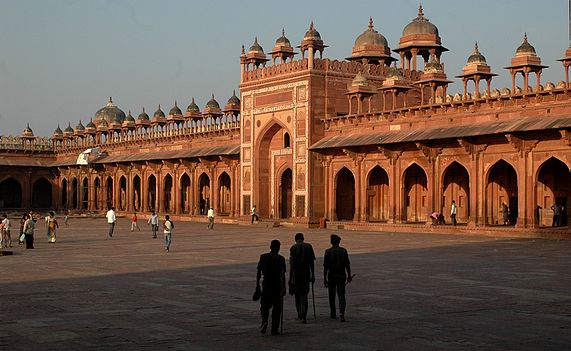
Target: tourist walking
column 505, row 213
column 556, row 215
column 66, row 218
column 272, row 267
column 154, row 222
column 168, row 226
column 29, row 227
column 111, row 219
column 134, row 224
column 301, row 274
column 6, row 229
column 254, row 214
column 210, row 216
column 21, row 235
column 46, row 220
column 453, row 211
column 337, row 273
column 52, row 227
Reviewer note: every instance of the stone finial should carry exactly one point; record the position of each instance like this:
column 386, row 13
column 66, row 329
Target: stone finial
column 371, row 23
column 420, row 11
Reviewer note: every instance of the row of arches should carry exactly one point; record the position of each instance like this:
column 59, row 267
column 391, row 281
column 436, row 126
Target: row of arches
column 501, row 190
column 11, row 194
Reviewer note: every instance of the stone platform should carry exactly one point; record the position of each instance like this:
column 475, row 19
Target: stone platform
column 412, row 291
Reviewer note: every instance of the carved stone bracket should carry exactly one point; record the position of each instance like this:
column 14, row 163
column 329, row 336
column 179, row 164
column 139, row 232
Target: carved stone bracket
column 430, row 152
column 325, row 160
column 566, row 136
column 474, row 150
column 523, row 146
column 357, row 157
column 392, row 155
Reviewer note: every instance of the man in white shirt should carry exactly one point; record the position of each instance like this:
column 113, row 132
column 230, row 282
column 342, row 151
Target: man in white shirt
column 210, row 216
column 154, row 222
column 111, row 220
column 6, row 228
column 168, row 226
column 453, row 211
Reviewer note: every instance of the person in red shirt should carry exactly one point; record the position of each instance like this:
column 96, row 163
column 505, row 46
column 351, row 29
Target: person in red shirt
column 134, row 222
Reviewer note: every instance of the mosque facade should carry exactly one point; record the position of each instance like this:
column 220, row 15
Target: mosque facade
column 372, row 140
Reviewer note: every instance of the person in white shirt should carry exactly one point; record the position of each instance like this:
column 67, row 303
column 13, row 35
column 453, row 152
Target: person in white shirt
column 154, row 222
column 210, row 216
column 111, row 220
column 168, row 226
column 254, row 214
column 453, row 211
column 6, row 227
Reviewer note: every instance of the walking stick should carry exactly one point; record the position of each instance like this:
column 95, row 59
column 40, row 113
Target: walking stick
column 313, row 298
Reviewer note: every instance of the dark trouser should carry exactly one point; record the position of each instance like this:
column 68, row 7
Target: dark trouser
column 210, row 222
column 256, row 217
column 111, row 227
column 337, row 284
column 301, row 291
column 453, row 216
column 154, row 228
column 556, row 221
column 273, row 301
column 29, row 241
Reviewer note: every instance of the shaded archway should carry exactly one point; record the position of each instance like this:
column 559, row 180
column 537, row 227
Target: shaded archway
column 456, row 186
column 224, row 194
column 74, row 194
column 64, row 193
column 42, row 194
column 501, row 188
column 96, row 192
column 286, row 194
column 136, row 193
column 152, row 193
column 553, row 187
column 109, row 193
column 415, row 194
column 345, row 195
column 185, row 193
column 10, row 193
column 84, row 194
column 122, row 193
column 378, row 195
column 204, row 193
column 167, row 193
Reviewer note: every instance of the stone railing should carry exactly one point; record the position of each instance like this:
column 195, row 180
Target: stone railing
column 18, row 143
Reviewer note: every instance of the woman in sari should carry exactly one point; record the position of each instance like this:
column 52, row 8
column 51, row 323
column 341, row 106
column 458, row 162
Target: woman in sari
column 52, row 226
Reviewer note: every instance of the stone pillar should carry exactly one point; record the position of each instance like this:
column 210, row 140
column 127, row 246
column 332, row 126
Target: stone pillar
column 91, row 195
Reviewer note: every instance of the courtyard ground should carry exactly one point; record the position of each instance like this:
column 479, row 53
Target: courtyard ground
column 414, row 291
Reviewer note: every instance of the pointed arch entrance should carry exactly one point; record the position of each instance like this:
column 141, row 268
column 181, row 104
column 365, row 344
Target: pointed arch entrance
column 42, row 193
column 136, row 200
column 456, row 186
column 345, row 195
column 152, row 193
column 286, row 194
column 167, row 193
column 553, row 187
column 84, row 194
column 378, row 195
column 185, row 193
column 415, row 194
column 96, row 192
column 109, row 192
column 10, row 193
column 501, row 188
column 64, row 193
column 204, row 193
column 74, row 194
column 224, row 195
column 123, row 193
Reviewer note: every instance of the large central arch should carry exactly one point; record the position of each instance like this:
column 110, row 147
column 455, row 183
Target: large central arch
column 167, row 193
column 109, row 192
column 204, row 193
column 10, row 194
column 345, row 195
column 415, row 194
column 224, row 194
column 42, row 193
column 152, row 193
column 185, row 193
column 501, row 189
column 456, row 187
column 136, row 201
column 378, row 195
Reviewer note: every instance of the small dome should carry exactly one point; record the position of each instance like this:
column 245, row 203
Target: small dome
column 175, row 110
column 371, row 37
column 27, row 132
column 234, row 99
column 496, row 92
column 143, row 116
column 505, row 91
column 79, row 127
column 212, row 103
column 90, row 125
column 193, row 107
column 549, row 86
column 312, row 34
column 58, row 131
column 433, row 66
column 560, row 84
column 360, row 81
column 394, row 73
column 110, row 113
column 476, row 56
column 255, row 48
column 129, row 117
column 283, row 41
column 69, row 129
column 420, row 25
column 159, row 113
column 525, row 48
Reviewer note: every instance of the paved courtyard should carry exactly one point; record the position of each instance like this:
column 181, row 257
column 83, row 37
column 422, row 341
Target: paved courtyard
column 411, row 292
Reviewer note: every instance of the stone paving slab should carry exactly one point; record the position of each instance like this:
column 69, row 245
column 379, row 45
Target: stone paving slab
column 412, row 292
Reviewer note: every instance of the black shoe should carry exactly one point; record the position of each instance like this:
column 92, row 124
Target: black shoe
column 263, row 327
column 275, row 332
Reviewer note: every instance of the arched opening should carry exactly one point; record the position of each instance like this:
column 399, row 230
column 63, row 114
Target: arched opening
column 109, row 192
column 501, row 194
column 10, row 193
column 456, row 186
column 136, row 193
column 553, row 188
column 42, row 194
column 167, row 193
column 204, row 193
column 185, row 193
column 152, row 193
column 122, row 193
column 286, row 194
column 378, row 195
column 345, row 195
column 224, row 195
column 64, row 193
column 415, row 194
column 287, row 142
column 84, row 194
column 74, row 194
column 96, row 193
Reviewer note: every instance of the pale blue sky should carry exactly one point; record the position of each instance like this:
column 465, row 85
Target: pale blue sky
column 60, row 60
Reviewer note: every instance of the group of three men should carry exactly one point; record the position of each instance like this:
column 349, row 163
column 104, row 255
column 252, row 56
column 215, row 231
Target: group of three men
column 272, row 266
